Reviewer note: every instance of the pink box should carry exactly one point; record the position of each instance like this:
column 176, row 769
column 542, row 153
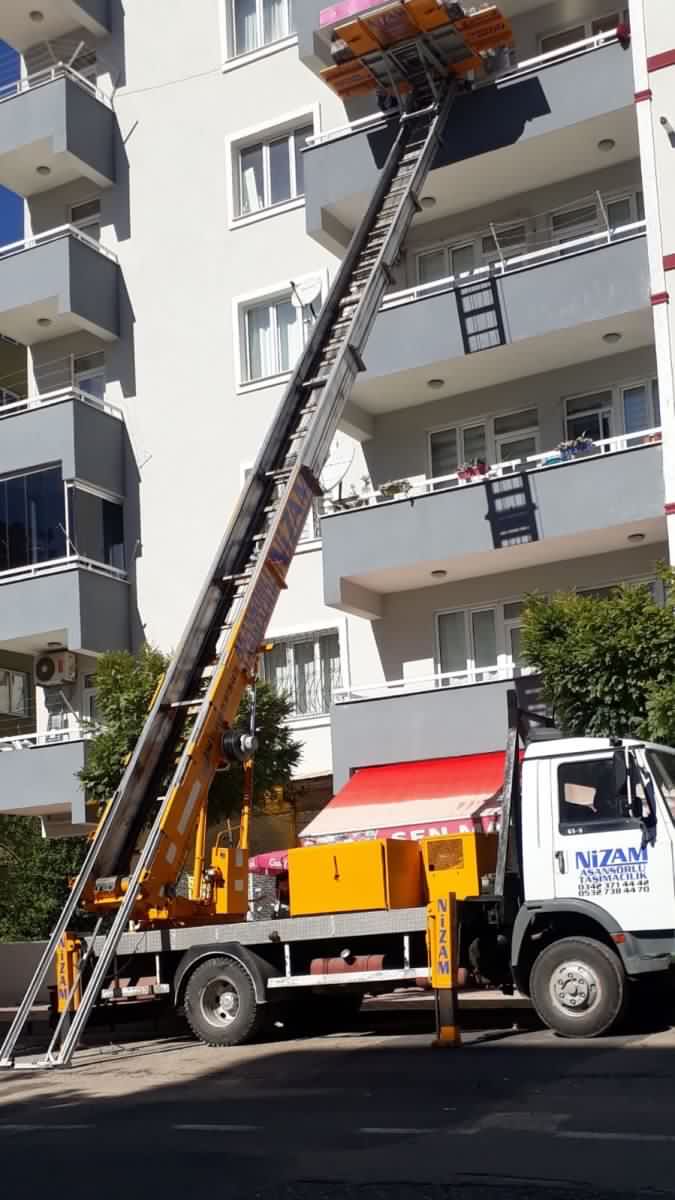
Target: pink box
column 345, row 8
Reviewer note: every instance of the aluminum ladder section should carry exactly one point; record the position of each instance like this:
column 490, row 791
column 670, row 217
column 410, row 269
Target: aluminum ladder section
column 300, row 436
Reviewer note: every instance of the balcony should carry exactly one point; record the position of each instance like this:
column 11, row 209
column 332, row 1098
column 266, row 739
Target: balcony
column 68, row 426
column 21, row 29
column 72, row 600
column 536, row 311
column 56, row 127
column 547, row 508
column 58, row 283
column 406, row 721
column 541, row 123
column 38, row 774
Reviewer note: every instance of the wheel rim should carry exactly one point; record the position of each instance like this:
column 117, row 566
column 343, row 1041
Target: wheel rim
column 219, row 1002
column 575, row 988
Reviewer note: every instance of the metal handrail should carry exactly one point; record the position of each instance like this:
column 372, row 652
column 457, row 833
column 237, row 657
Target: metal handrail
column 32, row 741
column 47, row 75
column 419, row 485
column 54, row 565
column 440, row 679
column 53, row 235
column 46, row 399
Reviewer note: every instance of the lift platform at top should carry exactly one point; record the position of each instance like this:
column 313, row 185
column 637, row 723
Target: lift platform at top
column 382, row 48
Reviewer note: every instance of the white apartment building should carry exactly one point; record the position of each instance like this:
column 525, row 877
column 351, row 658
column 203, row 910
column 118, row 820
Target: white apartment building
column 190, row 185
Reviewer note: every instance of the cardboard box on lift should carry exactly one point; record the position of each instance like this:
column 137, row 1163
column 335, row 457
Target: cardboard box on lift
column 355, row 877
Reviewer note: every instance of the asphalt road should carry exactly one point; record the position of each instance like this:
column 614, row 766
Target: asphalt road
column 372, row 1114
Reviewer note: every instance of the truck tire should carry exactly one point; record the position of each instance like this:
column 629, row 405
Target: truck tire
column 578, row 987
column 220, row 1003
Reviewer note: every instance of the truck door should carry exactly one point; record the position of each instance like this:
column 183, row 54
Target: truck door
column 598, row 851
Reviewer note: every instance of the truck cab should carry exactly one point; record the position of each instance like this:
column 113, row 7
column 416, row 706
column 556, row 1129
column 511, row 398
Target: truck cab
column 595, row 825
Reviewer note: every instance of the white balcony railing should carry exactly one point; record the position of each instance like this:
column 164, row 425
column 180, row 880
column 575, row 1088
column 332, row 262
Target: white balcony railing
column 58, row 396
column 54, row 235
column 47, row 75
column 53, row 737
column 419, row 485
column 377, row 120
column 55, row 565
column 555, row 249
column 426, row 683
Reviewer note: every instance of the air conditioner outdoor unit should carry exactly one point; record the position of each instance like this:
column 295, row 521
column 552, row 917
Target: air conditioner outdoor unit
column 54, row 669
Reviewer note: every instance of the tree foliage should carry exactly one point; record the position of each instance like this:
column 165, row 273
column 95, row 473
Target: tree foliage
column 607, row 664
column 34, row 874
column 125, row 686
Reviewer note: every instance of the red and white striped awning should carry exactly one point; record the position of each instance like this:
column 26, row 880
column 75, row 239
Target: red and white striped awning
column 414, row 800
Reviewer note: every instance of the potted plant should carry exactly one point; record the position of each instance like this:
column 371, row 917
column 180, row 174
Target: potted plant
column 394, row 488
column 577, row 447
column 472, row 470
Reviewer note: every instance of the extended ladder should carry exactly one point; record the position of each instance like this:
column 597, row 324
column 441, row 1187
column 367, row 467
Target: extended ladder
column 231, row 615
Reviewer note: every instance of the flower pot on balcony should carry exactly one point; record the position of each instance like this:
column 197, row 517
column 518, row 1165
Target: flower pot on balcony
column 395, row 488
column 473, row 470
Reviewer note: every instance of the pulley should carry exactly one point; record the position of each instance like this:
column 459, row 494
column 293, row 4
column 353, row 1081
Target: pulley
column 238, row 746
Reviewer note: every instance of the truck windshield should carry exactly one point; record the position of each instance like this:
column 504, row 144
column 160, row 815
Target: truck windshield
column 662, row 764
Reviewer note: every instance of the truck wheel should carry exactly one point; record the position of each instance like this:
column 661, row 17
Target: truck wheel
column 578, row 987
column 220, row 1003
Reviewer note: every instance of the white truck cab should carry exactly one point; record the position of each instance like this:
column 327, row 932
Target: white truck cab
column 597, row 862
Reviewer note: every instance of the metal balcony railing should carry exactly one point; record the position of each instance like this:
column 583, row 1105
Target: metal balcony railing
column 52, row 737
column 441, row 679
column 46, row 75
column 54, row 235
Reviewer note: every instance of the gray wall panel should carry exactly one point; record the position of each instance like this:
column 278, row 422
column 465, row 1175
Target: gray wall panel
column 43, row 779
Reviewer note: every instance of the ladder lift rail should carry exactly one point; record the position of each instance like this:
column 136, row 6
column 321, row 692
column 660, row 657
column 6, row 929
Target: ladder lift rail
column 279, row 457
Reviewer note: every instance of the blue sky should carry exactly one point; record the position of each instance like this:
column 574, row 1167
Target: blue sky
column 11, row 207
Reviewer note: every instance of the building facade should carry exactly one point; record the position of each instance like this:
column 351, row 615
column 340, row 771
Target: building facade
column 190, row 185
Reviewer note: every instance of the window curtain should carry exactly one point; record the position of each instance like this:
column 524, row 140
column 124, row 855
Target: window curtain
column 277, row 674
column 331, row 674
column 261, row 350
column 289, row 333
column 306, row 690
column 452, row 642
column 245, row 26
column 276, row 23
column 636, row 409
column 252, row 179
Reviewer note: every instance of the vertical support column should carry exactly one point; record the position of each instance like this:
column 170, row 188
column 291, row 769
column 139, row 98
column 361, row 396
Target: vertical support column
column 442, row 945
column 653, row 46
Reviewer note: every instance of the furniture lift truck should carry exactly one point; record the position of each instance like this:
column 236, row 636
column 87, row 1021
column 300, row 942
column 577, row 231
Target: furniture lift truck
column 564, row 897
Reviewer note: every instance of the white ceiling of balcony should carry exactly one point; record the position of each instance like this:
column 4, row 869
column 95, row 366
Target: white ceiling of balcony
column 19, row 168
column 583, row 343
column 513, row 558
column 20, row 30
column 533, row 163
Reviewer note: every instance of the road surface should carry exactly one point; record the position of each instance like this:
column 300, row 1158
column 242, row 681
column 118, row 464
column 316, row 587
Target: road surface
column 373, row 1113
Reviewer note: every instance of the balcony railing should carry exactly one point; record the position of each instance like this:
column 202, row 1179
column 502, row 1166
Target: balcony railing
column 55, row 565
column 53, row 235
column 425, row 683
column 47, row 75
column 420, row 485
column 8, row 408
column 377, row 120
column 53, row 737
column 553, row 249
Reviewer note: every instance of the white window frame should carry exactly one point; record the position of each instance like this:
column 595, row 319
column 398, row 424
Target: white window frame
column 241, row 305
column 629, row 194
column 311, row 633
column 254, row 135
column 231, row 60
column 587, row 22
column 12, row 711
column 474, row 674
column 492, row 439
column 615, row 409
column 481, row 257
column 84, row 224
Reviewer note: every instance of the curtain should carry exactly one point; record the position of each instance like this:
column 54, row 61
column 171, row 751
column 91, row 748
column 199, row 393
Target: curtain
column 307, row 698
column 280, row 171
column 260, row 337
column 276, row 24
column 636, row 414
column 5, row 705
column 484, row 638
column 452, row 642
column 275, row 668
column 245, row 26
column 252, row 180
column 331, row 672
column 444, row 459
column 431, row 266
column 289, row 332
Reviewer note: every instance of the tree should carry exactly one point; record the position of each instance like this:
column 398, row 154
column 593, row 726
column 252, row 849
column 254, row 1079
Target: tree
column 125, row 686
column 34, row 874
column 607, row 664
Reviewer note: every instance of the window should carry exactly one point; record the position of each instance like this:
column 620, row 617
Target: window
column 89, row 698
column 592, row 794
column 32, row 519
column 463, row 257
column 274, row 335
column 271, row 172
column 87, row 218
column 567, row 37
column 516, row 435
column 89, row 375
column 14, row 693
column 467, row 643
column 640, row 406
column 510, row 240
column 589, row 416
column 307, row 670
column 451, row 447
column 606, row 23
column 96, row 527
column 662, row 764
column 257, row 23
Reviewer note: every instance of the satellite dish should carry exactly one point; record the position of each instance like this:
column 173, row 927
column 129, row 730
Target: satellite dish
column 303, row 295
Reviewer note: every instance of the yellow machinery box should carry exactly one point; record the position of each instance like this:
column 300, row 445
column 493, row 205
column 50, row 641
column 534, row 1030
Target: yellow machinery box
column 464, row 858
column 354, row 877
